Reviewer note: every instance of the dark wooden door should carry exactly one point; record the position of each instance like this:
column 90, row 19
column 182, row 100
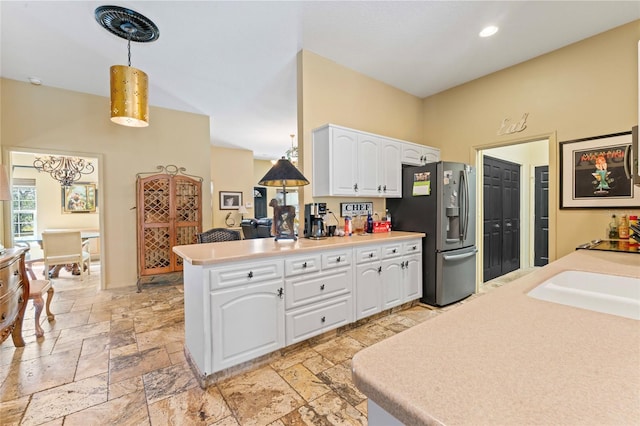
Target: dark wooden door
column 541, row 222
column 501, row 227
column 260, row 202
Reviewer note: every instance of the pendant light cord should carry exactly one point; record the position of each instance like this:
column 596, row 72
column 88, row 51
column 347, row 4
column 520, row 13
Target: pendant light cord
column 129, row 48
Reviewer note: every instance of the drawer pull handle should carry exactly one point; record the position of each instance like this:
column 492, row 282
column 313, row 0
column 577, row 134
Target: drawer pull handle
column 370, row 255
column 322, row 287
column 379, row 269
column 323, row 319
column 16, row 272
column 304, row 265
column 280, row 292
column 4, row 316
column 414, row 248
column 394, row 251
column 338, row 259
column 250, row 274
column 379, row 188
column 384, row 188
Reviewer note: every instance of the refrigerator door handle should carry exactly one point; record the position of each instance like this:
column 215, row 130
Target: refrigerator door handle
column 459, row 256
column 464, row 182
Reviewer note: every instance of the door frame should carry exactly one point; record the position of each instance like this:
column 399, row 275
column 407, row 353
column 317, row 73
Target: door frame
column 476, row 153
column 7, row 208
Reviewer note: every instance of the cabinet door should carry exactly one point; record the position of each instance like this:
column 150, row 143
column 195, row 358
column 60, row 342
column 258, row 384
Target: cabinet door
column 246, row 322
column 431, row 155
column 391, row 169
column 412, row 154
column 344, row 171
column 368, row 278
column 412, row 278
column 369, row 178
column 392, row 283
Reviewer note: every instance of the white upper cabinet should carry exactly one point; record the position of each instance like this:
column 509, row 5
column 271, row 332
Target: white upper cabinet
column 348, row 162
column 418, row 155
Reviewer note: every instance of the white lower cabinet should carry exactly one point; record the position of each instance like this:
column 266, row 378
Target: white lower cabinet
column 317, row 318
column 239, row 310
column 318, row 299
column 383, row 284
column 246, row 322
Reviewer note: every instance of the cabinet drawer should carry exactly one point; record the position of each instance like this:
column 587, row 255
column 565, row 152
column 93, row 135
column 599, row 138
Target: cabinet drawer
column 308, row 322
column 306, row 290
column 301, row 265
column 9, row 277
column 412, row 247
column 367, row 254
column 10, row 304
column 244, row 273
column 391, row 250
column 336, row 259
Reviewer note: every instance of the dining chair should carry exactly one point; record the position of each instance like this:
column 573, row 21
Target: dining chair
column 64, row 248
column 217, row 235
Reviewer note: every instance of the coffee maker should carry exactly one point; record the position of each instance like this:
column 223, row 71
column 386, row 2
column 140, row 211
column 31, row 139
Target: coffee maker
column 314, row 220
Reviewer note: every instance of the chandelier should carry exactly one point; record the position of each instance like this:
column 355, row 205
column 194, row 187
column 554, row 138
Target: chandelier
column 65, row 170
column 292, row 153
column 129, row 86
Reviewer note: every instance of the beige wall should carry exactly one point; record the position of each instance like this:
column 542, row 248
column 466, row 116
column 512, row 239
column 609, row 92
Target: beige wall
column 45, row 119
column 331, row 93
column 231, row 170
column 586, row 89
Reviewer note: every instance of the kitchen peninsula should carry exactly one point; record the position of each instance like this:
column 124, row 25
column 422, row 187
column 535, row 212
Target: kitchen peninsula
column 244, row 300
column 517, row 360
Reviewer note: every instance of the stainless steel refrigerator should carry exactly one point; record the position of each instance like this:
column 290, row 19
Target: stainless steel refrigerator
column 439, row 200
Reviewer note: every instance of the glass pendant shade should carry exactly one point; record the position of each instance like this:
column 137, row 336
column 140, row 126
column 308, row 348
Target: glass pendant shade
column 129, row 96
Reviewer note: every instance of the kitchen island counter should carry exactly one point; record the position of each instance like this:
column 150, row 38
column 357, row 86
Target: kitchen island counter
column 507, row 358
column 213, row 253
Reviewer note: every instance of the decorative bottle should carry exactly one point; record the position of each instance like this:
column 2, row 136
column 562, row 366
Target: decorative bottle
column 369, row 223
column 613, row 227
column 623, row 228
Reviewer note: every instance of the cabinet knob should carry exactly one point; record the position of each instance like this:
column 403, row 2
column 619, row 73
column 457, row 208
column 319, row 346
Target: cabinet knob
column 322, row 287
column 370, row 255
column 338, row 259
column 250, row 274
column 3, row 316
column 355, row 187
column 379, row 269
column 323, row 319
column 394, row 251
column 384, row 188
column 16, row 272
column 379, row 188
column 1, row 283
column 414, row 248
column 20, row 299
column 304, row 265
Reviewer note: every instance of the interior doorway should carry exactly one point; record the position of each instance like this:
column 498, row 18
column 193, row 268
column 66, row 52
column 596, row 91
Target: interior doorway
column 40, row 202
column 529, row 154
column 541, row 223
column 501, row 223
column 260, row 202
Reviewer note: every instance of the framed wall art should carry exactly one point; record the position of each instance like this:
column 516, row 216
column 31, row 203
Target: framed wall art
column 79, row 198
column 596, row 173
column 230, row 200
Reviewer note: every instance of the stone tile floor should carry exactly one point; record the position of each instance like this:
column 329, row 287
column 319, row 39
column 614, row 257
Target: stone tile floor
column 116, row 357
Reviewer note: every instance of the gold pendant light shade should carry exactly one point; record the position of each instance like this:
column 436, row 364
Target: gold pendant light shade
column 129, row 96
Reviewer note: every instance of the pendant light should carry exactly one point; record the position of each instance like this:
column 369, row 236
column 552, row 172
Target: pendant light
column 129, row 86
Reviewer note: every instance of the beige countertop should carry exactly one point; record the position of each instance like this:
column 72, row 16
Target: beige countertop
column 509, row 359
column 212, row 253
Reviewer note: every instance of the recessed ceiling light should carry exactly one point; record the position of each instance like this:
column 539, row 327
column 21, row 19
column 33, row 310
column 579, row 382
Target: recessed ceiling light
column 35, row 81
column 488, row 31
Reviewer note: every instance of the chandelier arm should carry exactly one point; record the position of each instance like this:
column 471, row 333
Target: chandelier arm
column 66, row 170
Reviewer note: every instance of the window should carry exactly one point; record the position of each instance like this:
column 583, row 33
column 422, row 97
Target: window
column 24, row 207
